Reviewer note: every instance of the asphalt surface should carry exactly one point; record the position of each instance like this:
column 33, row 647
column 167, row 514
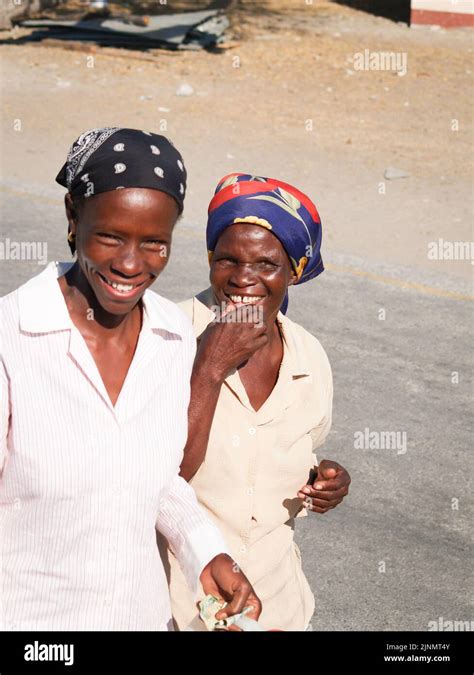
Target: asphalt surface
column 395, row 554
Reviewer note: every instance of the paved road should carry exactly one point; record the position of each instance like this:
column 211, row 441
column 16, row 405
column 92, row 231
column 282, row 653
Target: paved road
column 395, row 555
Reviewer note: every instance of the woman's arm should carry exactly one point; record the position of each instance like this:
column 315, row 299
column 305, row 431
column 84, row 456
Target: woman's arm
column 4, row 408
column 223, row 346
column 201, row 551
column 205, row 388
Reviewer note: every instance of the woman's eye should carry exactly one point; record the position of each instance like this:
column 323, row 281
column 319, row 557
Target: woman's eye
column 156, row 245
column 109, row 237
column 266, row 266
column 225, row 262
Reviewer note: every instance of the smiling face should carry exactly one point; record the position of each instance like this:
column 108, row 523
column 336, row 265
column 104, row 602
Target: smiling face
column 123, row 242
column 249, row 265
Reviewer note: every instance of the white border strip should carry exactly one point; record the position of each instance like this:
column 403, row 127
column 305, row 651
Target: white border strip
column 451, row 6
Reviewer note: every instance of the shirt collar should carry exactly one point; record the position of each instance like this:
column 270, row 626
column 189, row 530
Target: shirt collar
column 156, row 314
column 294, row 348
column 43, row 309
column 41, row 303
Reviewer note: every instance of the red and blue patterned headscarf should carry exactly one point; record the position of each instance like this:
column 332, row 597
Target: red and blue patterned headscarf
column 279, row 207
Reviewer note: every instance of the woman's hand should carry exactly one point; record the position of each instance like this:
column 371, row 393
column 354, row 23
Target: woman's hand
column 329, row 488
column 223, row 578
column 231, row 341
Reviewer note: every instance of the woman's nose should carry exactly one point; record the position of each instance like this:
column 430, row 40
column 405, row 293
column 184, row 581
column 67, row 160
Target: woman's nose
column 129, row 263
column 242, row 275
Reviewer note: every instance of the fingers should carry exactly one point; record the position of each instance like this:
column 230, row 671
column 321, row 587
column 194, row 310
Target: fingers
column 340, row 481
column 320, row 506
column 237, row 603
column 321, row 501
column 331, row 473
column 254, row 602
column 243, row 597
column 231, row 339
column 324, row 495
column 242, row 314
column 331, row 485
column 252, row 330
column 326, row 465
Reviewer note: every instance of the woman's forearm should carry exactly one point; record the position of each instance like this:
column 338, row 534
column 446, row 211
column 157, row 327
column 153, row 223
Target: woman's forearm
column 205, row 388
column 221, row 348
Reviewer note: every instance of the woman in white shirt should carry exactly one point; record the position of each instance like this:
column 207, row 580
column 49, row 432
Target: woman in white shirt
column 94, row 374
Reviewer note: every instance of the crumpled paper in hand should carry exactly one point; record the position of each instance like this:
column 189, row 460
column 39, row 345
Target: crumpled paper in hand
column 208, row 608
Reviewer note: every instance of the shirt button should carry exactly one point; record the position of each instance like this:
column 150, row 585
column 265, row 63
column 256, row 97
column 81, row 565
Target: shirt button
column 252, row 431
column 243, row 549
column 250, row 492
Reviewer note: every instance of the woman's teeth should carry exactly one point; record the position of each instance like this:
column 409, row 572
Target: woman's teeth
column 122, row 288
column 246, row 299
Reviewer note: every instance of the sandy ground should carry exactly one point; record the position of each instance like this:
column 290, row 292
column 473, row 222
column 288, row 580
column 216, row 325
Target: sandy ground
column 286, row 101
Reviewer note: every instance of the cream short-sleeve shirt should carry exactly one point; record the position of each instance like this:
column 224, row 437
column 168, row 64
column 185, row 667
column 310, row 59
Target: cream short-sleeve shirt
column 256, row 462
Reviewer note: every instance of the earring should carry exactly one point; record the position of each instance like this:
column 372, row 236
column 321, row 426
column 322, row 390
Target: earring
column 71, row 237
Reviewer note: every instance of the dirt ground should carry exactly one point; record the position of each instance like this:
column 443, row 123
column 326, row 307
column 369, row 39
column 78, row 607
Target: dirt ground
column 283, row 98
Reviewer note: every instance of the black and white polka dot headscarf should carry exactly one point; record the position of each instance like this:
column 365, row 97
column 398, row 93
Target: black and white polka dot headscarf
column 111, row 158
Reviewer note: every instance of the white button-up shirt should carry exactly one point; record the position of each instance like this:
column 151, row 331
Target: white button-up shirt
column 84, row 484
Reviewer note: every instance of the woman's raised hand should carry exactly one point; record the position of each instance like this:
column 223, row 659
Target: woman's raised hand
column 231, row 340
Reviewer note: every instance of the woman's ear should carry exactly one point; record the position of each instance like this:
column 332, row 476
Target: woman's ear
column 71, row 212
column 293, row 278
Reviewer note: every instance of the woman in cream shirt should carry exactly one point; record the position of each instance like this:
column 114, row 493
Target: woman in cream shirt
column 261, row 396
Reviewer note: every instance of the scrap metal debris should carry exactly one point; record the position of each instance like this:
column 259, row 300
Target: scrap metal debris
column 189, row 30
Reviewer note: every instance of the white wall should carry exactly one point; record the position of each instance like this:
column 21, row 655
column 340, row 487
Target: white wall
column 452, row 6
